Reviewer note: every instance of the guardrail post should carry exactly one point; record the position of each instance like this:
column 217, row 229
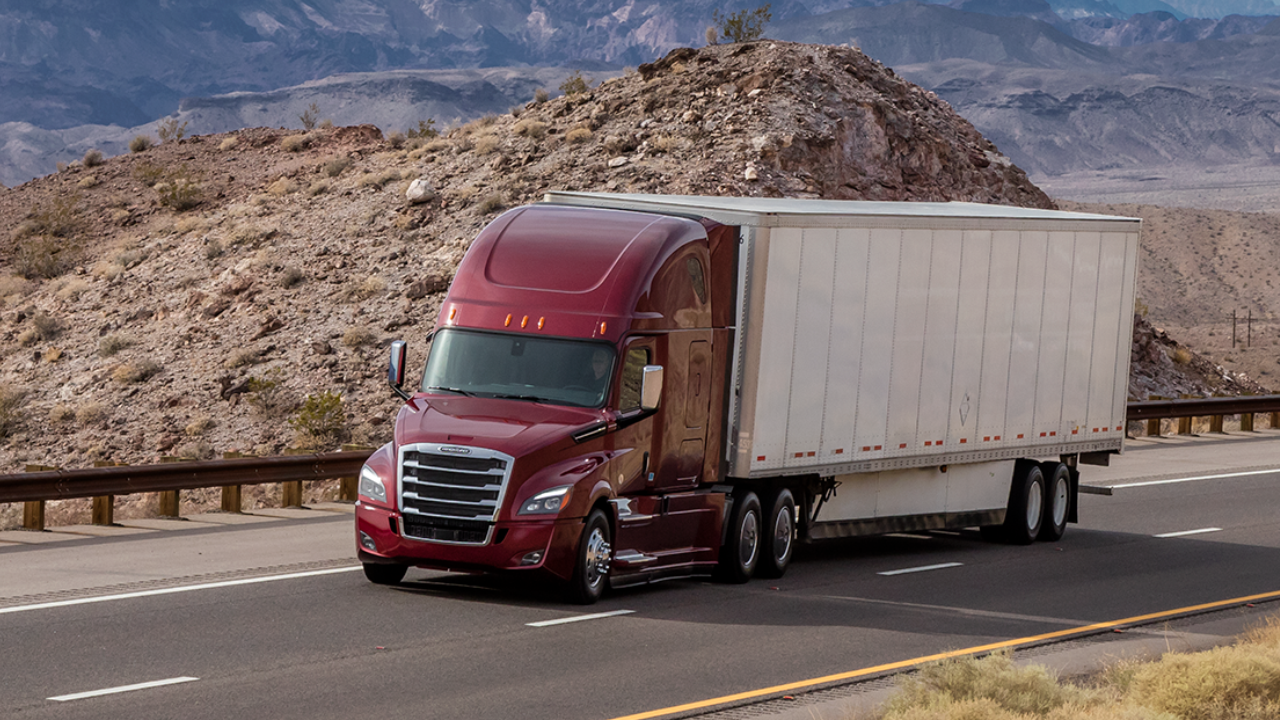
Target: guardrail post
column 33, row 510
column 1275, row 420
column 348, row 487
column 1246, row 422
column 291, row 490
column 232, row 498
column 1184, row 423
column 1215, row 424
column 104, row 506
column 170, row 501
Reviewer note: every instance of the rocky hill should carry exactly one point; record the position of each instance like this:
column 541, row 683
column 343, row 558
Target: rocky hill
column 185, row 300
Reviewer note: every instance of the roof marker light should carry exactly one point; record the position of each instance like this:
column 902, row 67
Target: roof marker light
column 541, row 322
column 507, row 322
column 453, row 313
column 603, row 327
column 525, row 322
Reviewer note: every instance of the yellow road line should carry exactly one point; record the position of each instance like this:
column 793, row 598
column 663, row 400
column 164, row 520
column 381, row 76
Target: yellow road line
column 801, row 684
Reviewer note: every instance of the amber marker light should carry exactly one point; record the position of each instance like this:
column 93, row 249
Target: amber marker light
column 603, row 327
column 524, row 322
column 541, row 322
column 453, row 313
column 507, row 322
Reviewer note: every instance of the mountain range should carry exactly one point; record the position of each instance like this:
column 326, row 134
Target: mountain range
column 1065, row 86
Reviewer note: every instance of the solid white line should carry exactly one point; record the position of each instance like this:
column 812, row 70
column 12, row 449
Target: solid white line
column 122, row 688
column 1188, row 532
column 920, row 569
column 909, row 536
column 179, row 589
column 1193, row 479
column 579, row 618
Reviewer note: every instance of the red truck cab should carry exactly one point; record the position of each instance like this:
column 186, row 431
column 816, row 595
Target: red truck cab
column 569, row 420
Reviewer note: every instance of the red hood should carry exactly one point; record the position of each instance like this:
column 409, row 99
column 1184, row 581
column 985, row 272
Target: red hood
column 514, row 427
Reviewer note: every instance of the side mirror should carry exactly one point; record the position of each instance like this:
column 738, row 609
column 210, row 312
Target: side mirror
column 651, row 388
column 395, row 370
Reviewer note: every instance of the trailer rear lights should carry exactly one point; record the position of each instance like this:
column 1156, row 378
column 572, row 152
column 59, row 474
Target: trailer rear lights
column 367, row 542
column 1053, row 434
column 532, row 558
column 964, row 440
column 1019, row 436
column 902, row 446
column 760, row 458
column 507, row 322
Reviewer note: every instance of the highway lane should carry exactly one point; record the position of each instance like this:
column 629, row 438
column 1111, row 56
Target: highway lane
column 458, row 647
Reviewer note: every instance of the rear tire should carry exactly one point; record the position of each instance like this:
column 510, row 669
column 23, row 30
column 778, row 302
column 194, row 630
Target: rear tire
column 1057, row 506
column 741, row 552
column 779, row 535
column 1025, row 517
column 380, row 574
column 591, row 571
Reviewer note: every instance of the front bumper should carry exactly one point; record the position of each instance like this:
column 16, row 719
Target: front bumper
column 508, row 547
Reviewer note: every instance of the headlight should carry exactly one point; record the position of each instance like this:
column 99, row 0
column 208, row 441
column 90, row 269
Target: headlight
column 371, row 485
column 547, row 502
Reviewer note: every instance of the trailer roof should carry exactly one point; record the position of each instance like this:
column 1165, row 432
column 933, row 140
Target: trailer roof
column 770, row 212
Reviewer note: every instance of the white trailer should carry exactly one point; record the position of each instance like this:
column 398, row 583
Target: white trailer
column 923, row 365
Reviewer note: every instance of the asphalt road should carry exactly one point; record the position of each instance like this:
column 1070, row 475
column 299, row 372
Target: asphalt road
column 446, row 646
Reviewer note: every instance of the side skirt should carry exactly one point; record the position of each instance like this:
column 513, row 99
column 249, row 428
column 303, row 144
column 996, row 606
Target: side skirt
column 904, row 523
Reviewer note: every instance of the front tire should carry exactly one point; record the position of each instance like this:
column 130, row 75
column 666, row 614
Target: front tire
column 779, row 535
column 741, row 553
column 1025, row 517
column 1057, row 506
column 591, row 572
column 380, row 574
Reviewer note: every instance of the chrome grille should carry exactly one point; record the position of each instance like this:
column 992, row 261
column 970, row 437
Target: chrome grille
column 451, row 496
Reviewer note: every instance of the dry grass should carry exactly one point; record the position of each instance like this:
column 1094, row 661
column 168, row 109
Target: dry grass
column 578, row 135
column 12, row 408
column 358, row 337
column 295, row 143
column 136, row 371
column 335, row 166
column 281, row 187
column 91, row 413
column 378, row 180
column 229, row 144
column 111, row 344
column 363, row 289
column 199, row 426
column 487, row 145
column 531, row 128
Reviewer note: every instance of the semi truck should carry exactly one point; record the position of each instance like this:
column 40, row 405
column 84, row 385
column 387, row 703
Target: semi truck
column 622, row 389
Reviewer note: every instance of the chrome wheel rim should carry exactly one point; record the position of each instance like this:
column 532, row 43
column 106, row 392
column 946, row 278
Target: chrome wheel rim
column 749, row 540
column 597, row 558
column 1060, row 495
column 782, row 535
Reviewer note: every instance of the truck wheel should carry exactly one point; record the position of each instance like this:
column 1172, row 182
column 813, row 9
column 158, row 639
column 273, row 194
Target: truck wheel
column 1057, row 506
column 591, row 572
column 380, row 574
column 1026, row 505
column 741, row 553
column 779, row 535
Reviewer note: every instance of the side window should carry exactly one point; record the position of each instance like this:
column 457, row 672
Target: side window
column 632, row 376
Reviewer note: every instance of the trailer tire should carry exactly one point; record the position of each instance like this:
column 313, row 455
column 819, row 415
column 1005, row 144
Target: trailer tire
column 591, row 570
column 1057, row 506
column 380, row 574
column 741, row 552
column 779, row 535
column 1025, row 517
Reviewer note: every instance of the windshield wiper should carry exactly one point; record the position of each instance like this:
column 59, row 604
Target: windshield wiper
column 508, row 396
column 450, row 389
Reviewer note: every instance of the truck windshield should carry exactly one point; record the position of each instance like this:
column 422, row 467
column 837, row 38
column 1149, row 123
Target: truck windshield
column 519, row 367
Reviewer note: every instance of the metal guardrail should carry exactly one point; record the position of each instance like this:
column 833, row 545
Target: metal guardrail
column 103, row 483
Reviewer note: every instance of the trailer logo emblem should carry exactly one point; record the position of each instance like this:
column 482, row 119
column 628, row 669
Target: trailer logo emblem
column 453, row 450
column 964, row 409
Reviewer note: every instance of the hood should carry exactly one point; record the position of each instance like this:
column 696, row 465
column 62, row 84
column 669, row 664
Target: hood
column 514, row 427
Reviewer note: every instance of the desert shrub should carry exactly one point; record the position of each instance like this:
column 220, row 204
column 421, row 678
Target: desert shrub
column 319, row 187
column 93, row 158
column 578, row 135
column 281, row 187
column 136, row 371
column 426, row 130
column 48, row 326
column 664, row 143
column 325, row 124
column 111, row 344
column 178, row 190
column 13, row 286
column 269, row 397
column 396, row 139
column 1181, row 356
column 170, row 131
column 437, row 145
column 1226, row 683
column 364, row 289
column 140, row 143
column 91, row 413
column 541, row 95
column 12, row 408
column 44, row 257
column 72, row 290
column 194, row 450
column 291, row 277
column 320, row 422
column 535, row 129
column 744, row 25
column 61, row 413
column 212, row 249
column 61, row 217
column 241, row 358
column 148, row 173
column 491, row 203
column 358, row 337
column 336, row 165
column 575, row 84
column 379, row 180
column 487, row 145
column 993, row 682
column 88, row 181
column 199, row 426
column 310, row 116
column 295, row 143
column 229, row 144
